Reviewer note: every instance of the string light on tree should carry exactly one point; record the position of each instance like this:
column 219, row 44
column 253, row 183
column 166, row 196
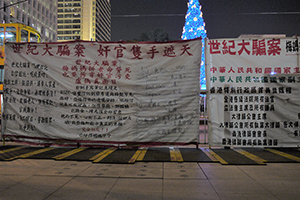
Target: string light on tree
column 195, row 27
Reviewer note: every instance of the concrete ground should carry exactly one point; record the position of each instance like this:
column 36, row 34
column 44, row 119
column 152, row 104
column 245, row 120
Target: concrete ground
column 48, row 179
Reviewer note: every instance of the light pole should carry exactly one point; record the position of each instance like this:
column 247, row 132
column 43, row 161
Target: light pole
column 13, row 4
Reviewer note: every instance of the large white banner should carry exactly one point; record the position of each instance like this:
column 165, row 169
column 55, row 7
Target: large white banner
column 253, row 92
column 103, row 92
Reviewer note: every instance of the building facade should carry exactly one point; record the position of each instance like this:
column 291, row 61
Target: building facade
column 39, row 14
column 84, row 20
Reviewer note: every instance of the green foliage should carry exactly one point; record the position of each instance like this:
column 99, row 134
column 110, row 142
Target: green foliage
column 157, row 35
column 144, row 37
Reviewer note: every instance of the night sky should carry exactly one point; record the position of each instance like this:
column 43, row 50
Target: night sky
column 223, row 19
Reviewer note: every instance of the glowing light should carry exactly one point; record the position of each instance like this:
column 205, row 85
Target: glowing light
column 7, row 35
column 195, row 25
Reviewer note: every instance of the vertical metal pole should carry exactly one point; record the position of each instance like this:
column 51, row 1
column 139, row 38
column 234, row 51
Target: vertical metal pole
column 205, row 98
column 205, row 119
column 298, row 53
column 2, row 106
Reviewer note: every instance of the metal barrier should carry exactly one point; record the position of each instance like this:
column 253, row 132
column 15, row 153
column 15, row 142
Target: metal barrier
column 203, row 129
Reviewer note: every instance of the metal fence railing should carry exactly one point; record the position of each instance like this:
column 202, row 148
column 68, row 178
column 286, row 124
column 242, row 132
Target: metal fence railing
column 203, row 131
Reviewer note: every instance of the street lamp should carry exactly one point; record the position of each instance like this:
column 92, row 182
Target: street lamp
column 13, row 4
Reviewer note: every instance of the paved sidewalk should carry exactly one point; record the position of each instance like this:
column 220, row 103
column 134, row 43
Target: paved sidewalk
column 48, row 179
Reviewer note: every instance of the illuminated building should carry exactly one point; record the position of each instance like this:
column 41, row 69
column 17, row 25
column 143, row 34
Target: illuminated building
column 84, row 20
column 39, row 14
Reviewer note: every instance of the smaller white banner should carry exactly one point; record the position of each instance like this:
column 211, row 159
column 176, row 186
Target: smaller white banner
column 253, row 92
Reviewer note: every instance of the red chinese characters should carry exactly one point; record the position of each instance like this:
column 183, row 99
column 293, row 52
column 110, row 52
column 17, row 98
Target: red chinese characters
column 63, row 50
column 32, row 49
column 79, row 50
column 103, row 51
column 92, row 72
column 263, row 47
column 47, row 50
column 129, row 51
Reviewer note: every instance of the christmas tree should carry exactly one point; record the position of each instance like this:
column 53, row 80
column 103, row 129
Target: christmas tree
column 195, row 27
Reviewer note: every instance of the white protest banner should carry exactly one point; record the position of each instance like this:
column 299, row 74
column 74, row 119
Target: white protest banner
column 253, row 92
column 91, row 92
